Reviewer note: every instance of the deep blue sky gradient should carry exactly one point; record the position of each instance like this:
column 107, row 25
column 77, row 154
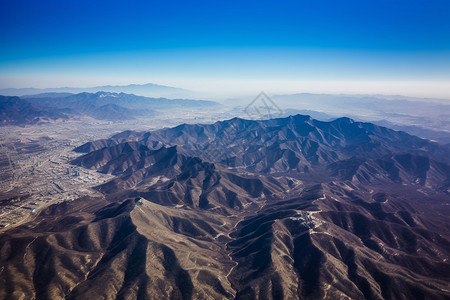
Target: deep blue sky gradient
column 317, row 39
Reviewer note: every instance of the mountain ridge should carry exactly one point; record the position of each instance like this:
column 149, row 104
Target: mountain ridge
column 148, row 89
column 100, row 106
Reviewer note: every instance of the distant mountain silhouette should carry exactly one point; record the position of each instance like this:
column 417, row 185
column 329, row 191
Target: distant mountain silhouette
column 100, row 106
column 149, row 89
column 16, row 111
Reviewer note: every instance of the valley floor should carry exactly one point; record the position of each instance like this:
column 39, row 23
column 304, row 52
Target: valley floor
column 34, row 161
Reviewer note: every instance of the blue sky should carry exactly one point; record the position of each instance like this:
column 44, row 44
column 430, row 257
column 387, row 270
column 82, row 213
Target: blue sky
column 215, row 43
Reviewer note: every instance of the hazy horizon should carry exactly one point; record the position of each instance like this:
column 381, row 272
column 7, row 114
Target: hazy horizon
column 232, row 48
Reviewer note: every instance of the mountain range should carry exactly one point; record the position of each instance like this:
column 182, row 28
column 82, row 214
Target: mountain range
column 100, row 106
column 424, row 116
column 441, row 136
column 16, row 111
column 149, row 89
column 288, row 208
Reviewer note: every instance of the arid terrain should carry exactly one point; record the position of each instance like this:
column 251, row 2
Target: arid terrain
column 203, row 150
column 35, row 168
column 287, row 208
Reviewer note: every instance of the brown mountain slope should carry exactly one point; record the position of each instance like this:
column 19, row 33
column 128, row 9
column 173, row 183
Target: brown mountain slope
column 368, row 219
column 315, row 245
